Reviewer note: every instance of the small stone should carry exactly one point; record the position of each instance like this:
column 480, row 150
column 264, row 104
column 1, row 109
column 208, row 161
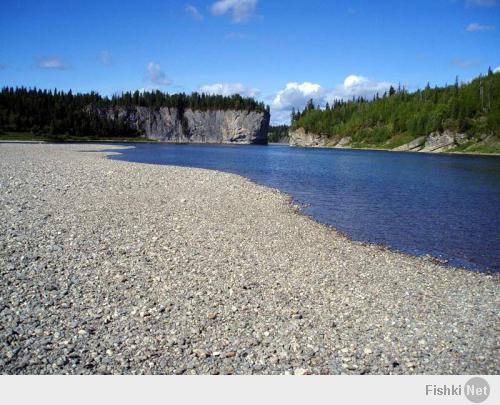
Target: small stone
column 202, row 354
column 301, row 371
column 231, row 354
column 212, row 315
column 315, row 361
column 368, row 350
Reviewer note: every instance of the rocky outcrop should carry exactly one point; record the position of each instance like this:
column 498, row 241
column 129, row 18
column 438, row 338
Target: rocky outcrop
column 300, row 137
column 412, row 146
column 191, row 126
column 435, row 142
column 439, row 142
column 344, row 142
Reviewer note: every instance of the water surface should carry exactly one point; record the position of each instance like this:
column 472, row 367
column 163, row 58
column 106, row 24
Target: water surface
column 441, row 205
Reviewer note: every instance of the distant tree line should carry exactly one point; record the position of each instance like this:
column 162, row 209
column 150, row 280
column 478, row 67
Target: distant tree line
column 277, row 133
column 399, row 116
column 55, row 112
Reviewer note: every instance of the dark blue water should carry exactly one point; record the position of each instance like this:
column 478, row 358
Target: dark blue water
column 441, row 205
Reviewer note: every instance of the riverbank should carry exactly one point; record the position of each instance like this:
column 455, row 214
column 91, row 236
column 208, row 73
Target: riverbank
column 29, row 137
column 434, row 143
column 115, row 267
column 409, row 151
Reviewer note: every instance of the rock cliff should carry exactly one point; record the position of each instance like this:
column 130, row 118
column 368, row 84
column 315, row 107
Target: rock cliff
column 300, row 137
column 435, row 142
column 191, row 126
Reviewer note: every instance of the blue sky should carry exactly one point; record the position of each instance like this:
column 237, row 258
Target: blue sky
column 281, row 52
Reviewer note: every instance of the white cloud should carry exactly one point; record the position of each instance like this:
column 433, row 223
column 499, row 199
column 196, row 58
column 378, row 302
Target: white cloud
column 496, row 70
column 105, row 58
column 51, row 63
column 295, row 95
column 473, row 27
column 482, row 3
column 358, row 86
column 194, row 13
column 157, row 76
column 227, row 89
column 240, row 10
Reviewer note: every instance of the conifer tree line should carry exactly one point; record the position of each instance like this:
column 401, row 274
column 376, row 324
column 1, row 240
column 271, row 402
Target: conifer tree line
column 472, row 108
column 64, row 113
column 277, row 133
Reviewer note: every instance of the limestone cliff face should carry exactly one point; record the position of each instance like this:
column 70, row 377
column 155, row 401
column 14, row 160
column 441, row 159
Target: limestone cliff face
column 300, row 137
column 192, row 126
column 435, row 142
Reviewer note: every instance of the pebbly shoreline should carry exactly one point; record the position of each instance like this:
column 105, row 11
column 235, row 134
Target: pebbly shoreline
column 116, row 267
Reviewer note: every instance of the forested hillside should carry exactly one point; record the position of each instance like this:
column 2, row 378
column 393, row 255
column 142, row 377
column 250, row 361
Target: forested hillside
column 397, row 117
column 59, row 113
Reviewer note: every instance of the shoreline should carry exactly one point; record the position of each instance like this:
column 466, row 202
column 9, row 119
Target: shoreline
column 403, row 151
column 298, row 208
column 145, row 140
column 281, row 282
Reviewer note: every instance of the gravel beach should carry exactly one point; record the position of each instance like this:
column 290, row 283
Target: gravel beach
column 124, row 268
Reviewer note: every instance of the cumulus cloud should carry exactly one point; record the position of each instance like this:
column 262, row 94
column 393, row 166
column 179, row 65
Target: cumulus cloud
column 227, row 89
column 105, row 58
column 240, row 10
column 496, row 70
column 51, row 63
column 157, row 76
column 194, row 13
column 295, row 95
column 473, row 27
column 358, row 86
